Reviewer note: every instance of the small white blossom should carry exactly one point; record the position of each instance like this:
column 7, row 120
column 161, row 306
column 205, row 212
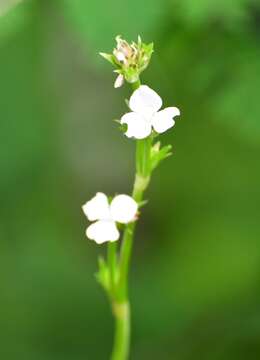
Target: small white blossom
column 122, row 209
column 145, row 104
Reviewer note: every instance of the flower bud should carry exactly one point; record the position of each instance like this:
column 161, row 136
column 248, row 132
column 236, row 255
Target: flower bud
column 123, row 51
column 119, row 81
column 129, row 59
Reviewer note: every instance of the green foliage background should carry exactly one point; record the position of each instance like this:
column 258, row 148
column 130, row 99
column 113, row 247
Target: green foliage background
column 195, row 275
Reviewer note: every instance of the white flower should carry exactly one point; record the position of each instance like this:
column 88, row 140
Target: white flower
column 122, row 209
column 145, row 104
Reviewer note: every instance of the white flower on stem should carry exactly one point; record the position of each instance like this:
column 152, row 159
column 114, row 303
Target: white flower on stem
column 122, row 209
column 145, row 104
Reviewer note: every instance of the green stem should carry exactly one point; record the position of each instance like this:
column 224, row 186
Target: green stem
column 125, row 256
column 136, row 84
column 142, row 178
column 112, row 264
column 122, row 331
column 143, row 150
column 121, row 307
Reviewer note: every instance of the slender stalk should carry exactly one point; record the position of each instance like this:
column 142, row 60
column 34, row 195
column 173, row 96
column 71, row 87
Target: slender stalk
column 125, row 256
column 112, row 264
column 121, row 307
column 136, row 84
column 122, row 331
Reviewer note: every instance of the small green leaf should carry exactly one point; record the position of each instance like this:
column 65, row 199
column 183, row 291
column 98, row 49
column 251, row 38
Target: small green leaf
column 109, row 57
column 123, row 127
column 158, row 155
column 102, row 275
column 142, row 204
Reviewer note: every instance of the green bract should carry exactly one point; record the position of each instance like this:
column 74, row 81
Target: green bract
column 130, row 59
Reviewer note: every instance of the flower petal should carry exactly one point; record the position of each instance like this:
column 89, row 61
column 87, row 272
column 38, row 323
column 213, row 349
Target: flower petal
column 163, row 120
column 137, row 126
column 145, row 101
column 97, row 208
column 123, row 209
column 119, row 81
column 102, row 231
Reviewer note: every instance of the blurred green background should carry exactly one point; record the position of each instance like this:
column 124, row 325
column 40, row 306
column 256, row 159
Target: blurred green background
column 195, row 280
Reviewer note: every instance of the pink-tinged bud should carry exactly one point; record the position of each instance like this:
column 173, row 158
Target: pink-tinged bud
column 129, row 59
column 124, row 47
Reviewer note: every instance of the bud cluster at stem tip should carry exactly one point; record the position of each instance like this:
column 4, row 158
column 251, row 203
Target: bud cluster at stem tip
column 129, row 59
